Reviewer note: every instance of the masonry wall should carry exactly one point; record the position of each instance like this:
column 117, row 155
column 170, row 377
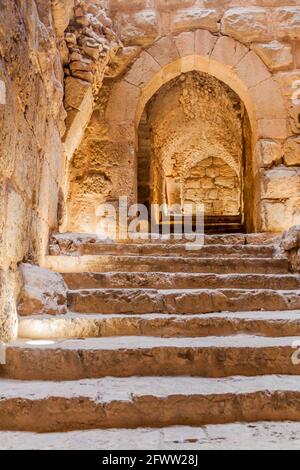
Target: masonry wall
column 31, row 127
column 258, row 41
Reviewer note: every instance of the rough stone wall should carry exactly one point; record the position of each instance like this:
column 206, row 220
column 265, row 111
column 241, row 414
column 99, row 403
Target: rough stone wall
column 44, row 44
column 259, row 40
column 91, row 44
column 31, row 127
column 217, row 186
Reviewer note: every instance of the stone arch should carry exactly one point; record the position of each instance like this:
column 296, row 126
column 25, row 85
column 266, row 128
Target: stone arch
column 222, row 57
column 225, row 59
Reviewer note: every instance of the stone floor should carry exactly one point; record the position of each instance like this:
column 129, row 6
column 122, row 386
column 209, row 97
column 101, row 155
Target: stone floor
column 256, row 436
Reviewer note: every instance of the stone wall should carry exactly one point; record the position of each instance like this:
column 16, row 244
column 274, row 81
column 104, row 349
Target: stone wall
column 217, row 186
column 51, row 53
column 253, row 46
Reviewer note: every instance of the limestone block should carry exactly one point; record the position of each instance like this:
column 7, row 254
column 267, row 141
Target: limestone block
column 75, row 92
column 195, row 18
column 125, row 5
column 164, row 51
column 185, row 44
column 276, row 56
column 76, row 123
column 292, row 152
column 207, row 183
column 287, row 22
column 268, row 153
column 139, row 28
column 122, row 105
column 294, row 118
column 274, row 216
column 212, row 172
column 194, row 194
column 213, row 194
column 170, row 5
column 42, row 292
column 246, row 24
column 84, row 65
column 225, row 182
column 62, row 11
column 281, row 183
column 83, row 75
column 16, row 227
column 191, row 184
column 272, row 128
column 269, row 100
column 9, row 287
column 143, row 70
column 228, row 51
column 204, row 42
column 291, row 238
column 289, row 84
column 252, row 70
column 297, row 54
column 227, row 171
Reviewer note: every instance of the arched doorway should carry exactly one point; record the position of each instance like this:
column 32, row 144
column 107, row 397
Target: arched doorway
column 194, row 146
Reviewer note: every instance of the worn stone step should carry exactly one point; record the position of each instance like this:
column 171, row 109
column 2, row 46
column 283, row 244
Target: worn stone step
column 102, row 263
column 263, row 435
column 218, row 324
column 172, row 250
column 151, row 356
column 146, row 402
column 63, row 243
column 160, row 280
column 180, row 301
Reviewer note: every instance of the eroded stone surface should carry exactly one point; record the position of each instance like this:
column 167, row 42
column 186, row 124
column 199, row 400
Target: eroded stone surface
column 92, row 404
column 151, row 356
column 252, row 436
column 74, row 326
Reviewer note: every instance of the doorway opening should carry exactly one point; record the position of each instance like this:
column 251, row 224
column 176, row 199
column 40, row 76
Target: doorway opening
column 194, row 147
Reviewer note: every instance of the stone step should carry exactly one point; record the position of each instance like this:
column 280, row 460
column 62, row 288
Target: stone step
column 151, row 356
column 263, row 435
column 74, row 326
column 70, row 242
column 146, row 402
column 173, row 250
column 160, row 280
column 98, row 263
column 192, row 301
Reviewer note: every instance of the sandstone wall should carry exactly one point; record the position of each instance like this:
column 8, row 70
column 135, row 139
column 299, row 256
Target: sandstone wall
column 254, row 46
column 53, row 54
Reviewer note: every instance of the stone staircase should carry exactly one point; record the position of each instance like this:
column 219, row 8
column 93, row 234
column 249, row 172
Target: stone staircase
column 159, row 336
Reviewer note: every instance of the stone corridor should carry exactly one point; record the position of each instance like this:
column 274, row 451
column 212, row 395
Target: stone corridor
column 132, row 343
